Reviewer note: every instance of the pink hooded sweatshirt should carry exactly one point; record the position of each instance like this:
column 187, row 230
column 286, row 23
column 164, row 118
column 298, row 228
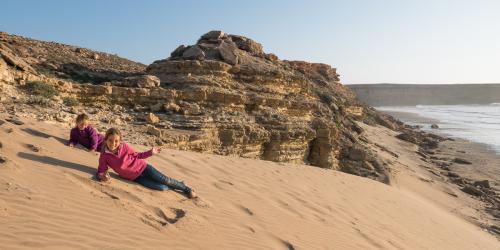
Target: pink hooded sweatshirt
column 127, row 163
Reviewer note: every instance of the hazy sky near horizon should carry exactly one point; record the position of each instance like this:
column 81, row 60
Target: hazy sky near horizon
column 390, row 41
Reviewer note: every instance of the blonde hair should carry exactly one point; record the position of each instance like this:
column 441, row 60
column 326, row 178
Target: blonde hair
column 112, row 131
column 82, row 118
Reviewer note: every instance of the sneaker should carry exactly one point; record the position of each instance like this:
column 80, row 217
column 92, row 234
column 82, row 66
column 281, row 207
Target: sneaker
column 190, row 193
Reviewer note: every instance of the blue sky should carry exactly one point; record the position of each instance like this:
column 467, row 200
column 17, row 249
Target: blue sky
column 440, row 41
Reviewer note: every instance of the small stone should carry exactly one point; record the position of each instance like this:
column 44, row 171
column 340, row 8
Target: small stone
column 116, row 121
column 472, row 190
column 33, row 147
column 156, row 108
column 152, row 130
column 434, row 126
column 152, row 118
column 453, row 175
column 171, row 107
column 271, row 57
column 95, row 56
column 143, row 81
column 483, row 183
column 3, row 159
column 462, row 161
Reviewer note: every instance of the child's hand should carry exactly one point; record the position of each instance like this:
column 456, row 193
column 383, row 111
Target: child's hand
column 104, row 177
column 156, row 150
column 93, row 151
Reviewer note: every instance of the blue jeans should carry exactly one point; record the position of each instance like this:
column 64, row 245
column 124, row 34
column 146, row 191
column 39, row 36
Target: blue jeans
column 154, row 179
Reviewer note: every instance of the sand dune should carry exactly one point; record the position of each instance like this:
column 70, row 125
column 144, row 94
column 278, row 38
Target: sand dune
column 48, row 200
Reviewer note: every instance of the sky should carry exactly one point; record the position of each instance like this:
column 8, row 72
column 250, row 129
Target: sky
column 370, row 41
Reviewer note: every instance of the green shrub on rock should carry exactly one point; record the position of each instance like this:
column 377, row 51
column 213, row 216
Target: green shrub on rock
column 42, row 89
column 70, row 101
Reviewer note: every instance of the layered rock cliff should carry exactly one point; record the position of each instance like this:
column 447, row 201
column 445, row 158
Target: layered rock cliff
column 222, row 95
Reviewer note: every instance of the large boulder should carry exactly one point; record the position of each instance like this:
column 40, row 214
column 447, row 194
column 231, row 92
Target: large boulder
column 193, row 53
column 213, row 35
column 248, row 45
column 179, row 51
column 228, row 52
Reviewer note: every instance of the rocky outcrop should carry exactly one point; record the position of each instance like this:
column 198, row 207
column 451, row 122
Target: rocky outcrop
column 225, row 95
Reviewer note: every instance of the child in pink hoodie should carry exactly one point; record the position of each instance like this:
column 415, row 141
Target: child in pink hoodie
column 130, row 165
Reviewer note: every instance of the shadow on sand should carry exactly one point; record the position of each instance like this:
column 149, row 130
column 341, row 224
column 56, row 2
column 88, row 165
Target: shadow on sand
column 44, row 135
column 61, row 163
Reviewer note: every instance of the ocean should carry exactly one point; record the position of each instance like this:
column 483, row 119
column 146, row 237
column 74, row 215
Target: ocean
column 476, row 123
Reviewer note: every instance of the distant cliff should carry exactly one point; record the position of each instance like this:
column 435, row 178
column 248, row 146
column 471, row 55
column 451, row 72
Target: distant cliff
column 430, row 94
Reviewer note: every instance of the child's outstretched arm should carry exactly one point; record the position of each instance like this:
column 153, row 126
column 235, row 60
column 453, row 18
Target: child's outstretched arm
column 142, row 155
column 149, row 153
column 102, row 170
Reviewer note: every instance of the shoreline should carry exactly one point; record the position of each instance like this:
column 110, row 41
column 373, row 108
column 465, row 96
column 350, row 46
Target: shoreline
column 411, row 118
column 482, row 163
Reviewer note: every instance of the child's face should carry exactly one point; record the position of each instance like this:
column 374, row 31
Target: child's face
column 82, row 125
column 112, row 142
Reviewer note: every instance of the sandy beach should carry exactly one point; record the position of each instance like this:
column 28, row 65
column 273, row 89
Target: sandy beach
column 49, row 200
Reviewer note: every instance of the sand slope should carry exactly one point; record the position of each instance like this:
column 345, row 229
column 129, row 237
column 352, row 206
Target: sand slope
column 48, row 200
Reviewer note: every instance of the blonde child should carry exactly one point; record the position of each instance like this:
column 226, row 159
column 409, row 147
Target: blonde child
column 130, row 165
column 83, row 133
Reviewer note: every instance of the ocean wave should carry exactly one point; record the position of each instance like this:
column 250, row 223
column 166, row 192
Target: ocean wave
column 495, row 103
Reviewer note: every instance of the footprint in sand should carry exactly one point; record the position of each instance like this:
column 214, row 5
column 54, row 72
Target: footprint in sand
column 177, row 215
column 246, row 210
column 33, row 147
column 199, row 202
column 288, row 245
column 285, row 243
column 3, row 160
